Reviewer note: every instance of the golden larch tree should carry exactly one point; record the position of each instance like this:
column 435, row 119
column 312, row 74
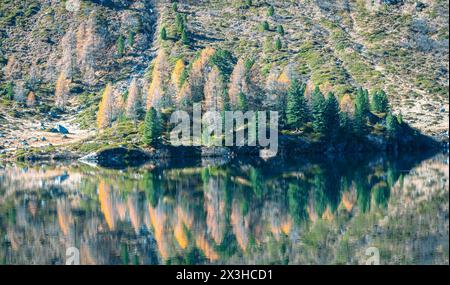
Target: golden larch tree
column 80, row 41
column 214, row 91
column 177, row 73
column 272, row 87
column 184, row 96
column 87, row 45
column 176, row 79
column 61, row 91
column 106, row 108
column 238, row 83
column 31, row 99
column 346, row 105
column 198, row 73
column 12, row 68
column 156, row 96
column 133, row 107
column 285, row 78
column 20, row 94
column 66, row 62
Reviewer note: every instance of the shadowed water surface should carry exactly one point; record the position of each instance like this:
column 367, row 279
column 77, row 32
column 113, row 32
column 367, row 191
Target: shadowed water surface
column 305, row 211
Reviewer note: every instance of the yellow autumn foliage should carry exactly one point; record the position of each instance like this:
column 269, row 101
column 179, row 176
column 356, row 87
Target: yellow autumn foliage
column 238, row 83
column 106, row 204
column 105, row 110
column 347, row 105
column 206, row 248
column 61, row 91
column 177, row 73
column 158, row 85
column 180, row 235
column 31, row 99
column 284, row 79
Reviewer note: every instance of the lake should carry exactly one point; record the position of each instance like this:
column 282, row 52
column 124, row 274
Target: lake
column 378, row 209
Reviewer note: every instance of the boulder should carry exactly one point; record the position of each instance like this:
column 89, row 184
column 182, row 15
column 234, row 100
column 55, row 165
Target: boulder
column 119, row 157
column 60, row 129
column 53, row 115
column 420, row 6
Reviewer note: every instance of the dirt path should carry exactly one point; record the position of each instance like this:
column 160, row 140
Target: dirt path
column 20, row 133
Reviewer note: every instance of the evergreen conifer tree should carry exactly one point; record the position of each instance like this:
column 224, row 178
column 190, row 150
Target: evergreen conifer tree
column 380, row 102
column 362, row 102
column 270, row 11
column 131, row 38
column 391, row 125
column 163, row 34
column 152, row 127
column 179, row 23
column 120, row 46
column 296, row 109
column 10, row 91
column 185, row 37
column 278, row 44
column 319, row 111
column 384, row 101
column 362, row 110
column 280, row 30
column 332, row 116
column 242, row 102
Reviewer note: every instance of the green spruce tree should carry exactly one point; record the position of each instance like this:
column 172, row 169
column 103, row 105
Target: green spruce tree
column 332, row 117
column 362, row 102
column 270, row 11
column 265, row 26
column 319, row 111
column 278, row 44
column 296, row 107
column 242, row 102
column 379, row 103
column 362, row 110
column 280, row 30
column 185, row 37
column 10, row 91
column 131, row 38
column 383, row 105
column 120, row 46
column 180, row 23
column 152, row 127
column 391, row 125
column 163, row 34
column 345, row 125
column 360, row 125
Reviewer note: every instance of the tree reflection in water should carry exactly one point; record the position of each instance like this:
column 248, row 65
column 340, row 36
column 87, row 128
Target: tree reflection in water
column 307, row 211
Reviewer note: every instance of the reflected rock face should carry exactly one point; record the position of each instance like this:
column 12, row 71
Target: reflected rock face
column 309, row 212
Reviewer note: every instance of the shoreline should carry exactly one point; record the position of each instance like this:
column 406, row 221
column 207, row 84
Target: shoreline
column 290, row 146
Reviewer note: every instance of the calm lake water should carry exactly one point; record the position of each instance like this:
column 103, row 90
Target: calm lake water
column 305, row 211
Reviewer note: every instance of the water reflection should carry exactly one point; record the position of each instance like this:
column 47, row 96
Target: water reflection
column 286, row 212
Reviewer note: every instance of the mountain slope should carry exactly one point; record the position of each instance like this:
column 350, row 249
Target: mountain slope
column 399, row 46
